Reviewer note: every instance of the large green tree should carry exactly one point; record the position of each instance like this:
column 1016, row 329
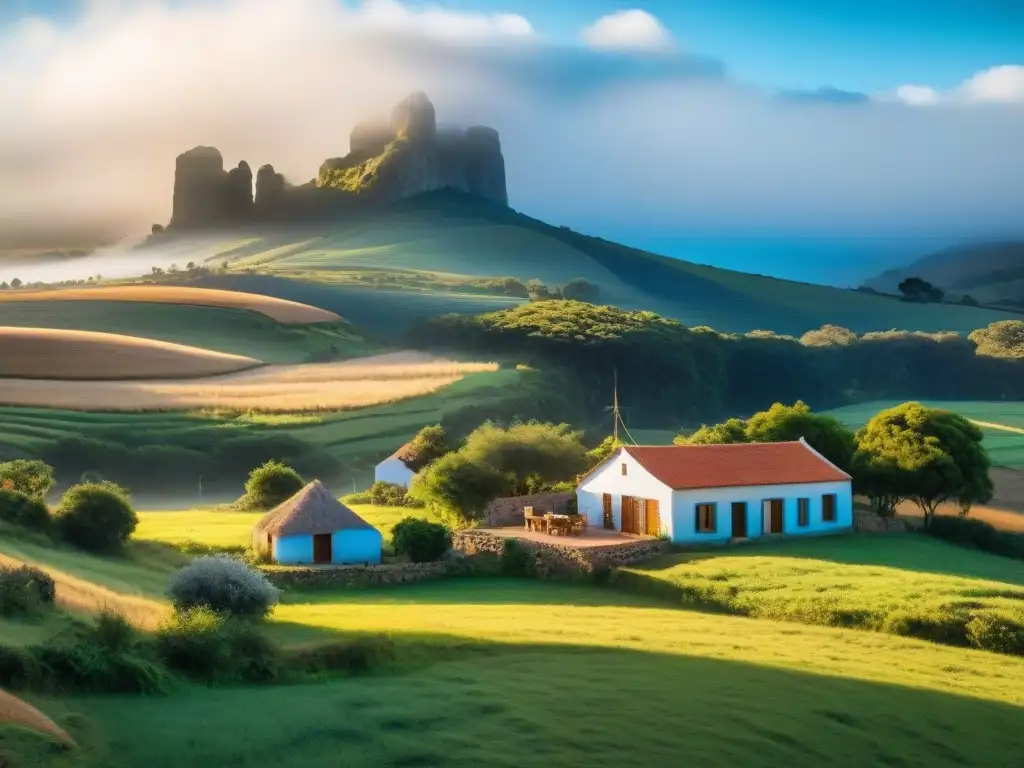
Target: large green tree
column 530, row 455
column 458, row 489
column 729, row 431
column 925, row 455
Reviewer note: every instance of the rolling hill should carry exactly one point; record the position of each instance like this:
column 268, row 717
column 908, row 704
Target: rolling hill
column 990, row 272
column 445, row 241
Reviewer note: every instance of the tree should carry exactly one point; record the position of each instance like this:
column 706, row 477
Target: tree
column 16, row 283
column 824, row 434
column 270, row 484
column 531, row 455
column 925, row 455
column 918, row 289
column 538, row 291
column 968, row 300
column 4, row 286
column 429, row 444
column 457, row 488
column 581, row 289
column 95, row 517
column 730, row 431
column 191, row 266
column 1004, row 338
column 28, row 476
column 602, row 451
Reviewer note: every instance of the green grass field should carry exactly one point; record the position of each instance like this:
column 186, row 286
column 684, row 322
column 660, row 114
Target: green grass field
column 1005, row 446
column 493, row 671
column 237, row 332
column 438, row 236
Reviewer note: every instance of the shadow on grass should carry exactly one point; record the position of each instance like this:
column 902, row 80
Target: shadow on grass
column 524, row 705
column 909, row 552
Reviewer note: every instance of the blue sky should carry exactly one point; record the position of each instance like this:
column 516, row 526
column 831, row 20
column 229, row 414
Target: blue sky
column 672, row 138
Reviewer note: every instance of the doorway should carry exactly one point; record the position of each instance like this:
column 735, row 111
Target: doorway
column 739, row 519
column 773, row 515
column 322, row 548
column 608, row 520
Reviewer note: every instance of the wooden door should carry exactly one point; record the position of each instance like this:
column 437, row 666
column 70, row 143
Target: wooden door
column 776, row 516
column 630, row 515
column 609, row 519
column 739, row 519
column 322, row 548
column 652, row 518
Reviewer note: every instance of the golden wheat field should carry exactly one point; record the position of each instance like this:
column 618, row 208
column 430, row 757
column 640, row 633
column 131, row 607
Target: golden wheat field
column 286, row 312
column 47, row 353
column 315, row 386
column 14, row 711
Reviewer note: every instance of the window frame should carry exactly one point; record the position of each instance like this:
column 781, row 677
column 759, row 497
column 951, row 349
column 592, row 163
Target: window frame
column 803, row 512
column 713, row 506
column 624, row 466
column 834, row 513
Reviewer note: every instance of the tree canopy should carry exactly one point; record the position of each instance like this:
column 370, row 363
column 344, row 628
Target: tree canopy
column 530, row 455
column 918, row 289
column 925, row 455
column 28, row 476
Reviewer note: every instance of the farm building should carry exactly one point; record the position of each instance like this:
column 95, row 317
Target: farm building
column 717, row 493
column 399, row 467
column 314, row 527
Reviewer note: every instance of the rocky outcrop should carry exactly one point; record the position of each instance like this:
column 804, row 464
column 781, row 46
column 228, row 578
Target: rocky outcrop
column 387, row 162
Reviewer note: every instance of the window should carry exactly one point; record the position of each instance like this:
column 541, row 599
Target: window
column 828, row 508
column 706, row 518
column 803, row 512
column 623, row 468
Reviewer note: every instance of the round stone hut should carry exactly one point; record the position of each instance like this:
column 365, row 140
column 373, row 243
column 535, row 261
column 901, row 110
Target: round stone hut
column 313, row 527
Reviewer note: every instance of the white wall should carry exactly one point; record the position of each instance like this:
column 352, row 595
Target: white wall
column 393, row 470
column 684, row 504
column 637, row 482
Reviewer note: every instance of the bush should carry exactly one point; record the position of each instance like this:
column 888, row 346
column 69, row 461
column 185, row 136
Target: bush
column 25, row 590
column 19, row 668
column 29, row 476
column 224, row 585
column 206, row 646
column 389, row 495
column 992, row 632
column 95, row 517
column 21, row 509
column 420, row 540
column 270, row 484
column 516, row 560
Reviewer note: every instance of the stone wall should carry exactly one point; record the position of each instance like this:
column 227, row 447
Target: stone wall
column 298, row 577
column 869, row 522
column 559, row 559
column 508, row 510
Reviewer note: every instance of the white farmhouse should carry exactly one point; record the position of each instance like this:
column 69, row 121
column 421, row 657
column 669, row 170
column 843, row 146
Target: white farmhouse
column 717, row 493
column 398, row 468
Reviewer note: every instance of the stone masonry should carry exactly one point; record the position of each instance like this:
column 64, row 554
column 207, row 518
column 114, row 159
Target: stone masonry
column 508, row 510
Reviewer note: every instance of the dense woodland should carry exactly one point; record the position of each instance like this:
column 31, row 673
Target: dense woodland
column 669, row 374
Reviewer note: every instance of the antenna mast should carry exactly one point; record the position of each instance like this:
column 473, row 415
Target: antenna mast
column 615, row 406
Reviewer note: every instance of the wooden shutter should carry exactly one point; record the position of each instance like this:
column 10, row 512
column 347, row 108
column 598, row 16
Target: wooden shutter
column 652, row 525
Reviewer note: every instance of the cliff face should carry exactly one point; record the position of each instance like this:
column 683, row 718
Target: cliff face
column 387, row 161
column 410, row 156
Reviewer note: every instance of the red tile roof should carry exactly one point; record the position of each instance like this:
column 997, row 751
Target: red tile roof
column 730, row 466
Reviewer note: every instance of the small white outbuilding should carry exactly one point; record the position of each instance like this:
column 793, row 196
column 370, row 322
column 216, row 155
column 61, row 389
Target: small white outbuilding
column 707, row 493
column 399, row 467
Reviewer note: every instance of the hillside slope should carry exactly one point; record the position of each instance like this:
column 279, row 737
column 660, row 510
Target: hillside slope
column 443, row 235
column 990, row 272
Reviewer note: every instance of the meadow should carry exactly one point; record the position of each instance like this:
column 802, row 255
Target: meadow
column 355, row 383
column 439, row 236
column 44, row 353
column 226, row 330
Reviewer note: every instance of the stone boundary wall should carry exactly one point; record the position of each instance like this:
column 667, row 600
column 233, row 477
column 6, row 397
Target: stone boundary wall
column 508, row 510
column 869, row 522
column 552, row 558
column 298, row 577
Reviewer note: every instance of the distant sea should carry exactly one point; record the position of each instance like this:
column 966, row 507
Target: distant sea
column 841, row 261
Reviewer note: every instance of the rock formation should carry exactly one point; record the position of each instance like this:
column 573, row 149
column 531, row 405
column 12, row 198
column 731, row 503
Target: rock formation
column 387, row 161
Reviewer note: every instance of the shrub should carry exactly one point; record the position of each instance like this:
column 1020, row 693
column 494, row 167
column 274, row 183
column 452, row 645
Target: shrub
column 224, row 585
column 389, row 495
column 207, row 646
column 992, row 632
column 95, row 517
column 25, row 590
column 18, row 668
column 977, row 534
column 420, row 540
column 516, row 560
column 29, row 476
column 270, row 484
column 21, row 509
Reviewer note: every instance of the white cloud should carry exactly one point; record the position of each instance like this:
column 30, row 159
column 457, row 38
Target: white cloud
column 1002, row 84
column 95, row 112
column 632, row 30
